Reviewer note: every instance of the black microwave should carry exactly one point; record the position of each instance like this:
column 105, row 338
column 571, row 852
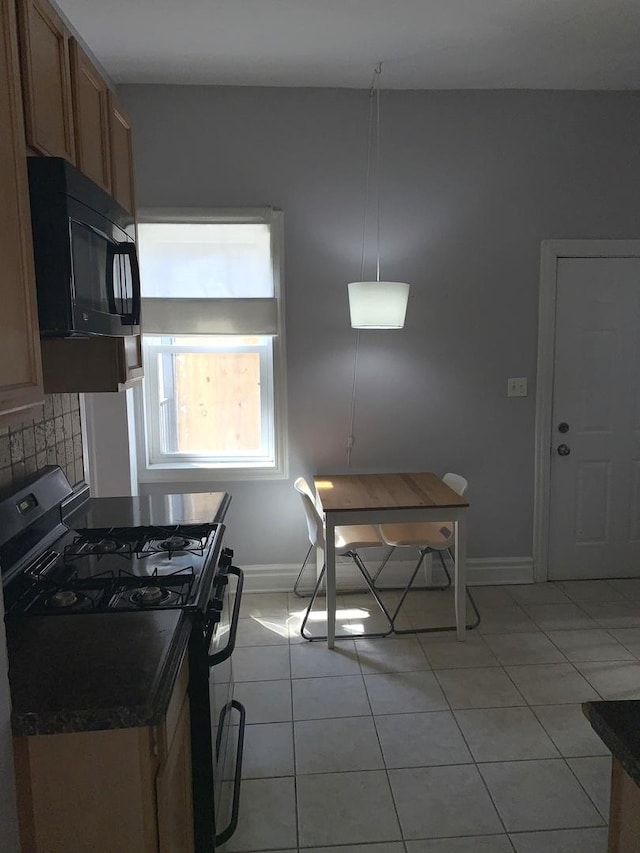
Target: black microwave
column 87, row 274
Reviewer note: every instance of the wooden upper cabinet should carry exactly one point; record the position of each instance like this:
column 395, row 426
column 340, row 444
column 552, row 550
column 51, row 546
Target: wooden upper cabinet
column 122, row 187
column 46, row 79
column 90, row 118
column 20, row 370
column 98, row 363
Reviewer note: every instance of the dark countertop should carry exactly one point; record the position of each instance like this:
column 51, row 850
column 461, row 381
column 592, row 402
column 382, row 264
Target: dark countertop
column 617, row 723
column 95, row 671
column 149, row 510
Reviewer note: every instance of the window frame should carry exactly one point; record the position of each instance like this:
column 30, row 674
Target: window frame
column 199, row 470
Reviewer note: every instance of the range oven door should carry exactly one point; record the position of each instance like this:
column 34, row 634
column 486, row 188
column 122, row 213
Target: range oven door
column 228, row 713
column 218, row 720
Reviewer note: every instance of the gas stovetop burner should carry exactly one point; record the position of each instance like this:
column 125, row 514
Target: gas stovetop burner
column 68, row 599
column 82, row 546
column 107, row 545
column 149, row 596
column 63, row 598
column 175, row 543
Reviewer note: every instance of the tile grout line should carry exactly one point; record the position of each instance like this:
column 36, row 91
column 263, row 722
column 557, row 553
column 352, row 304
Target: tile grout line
column 544, row 632
column 293, row 746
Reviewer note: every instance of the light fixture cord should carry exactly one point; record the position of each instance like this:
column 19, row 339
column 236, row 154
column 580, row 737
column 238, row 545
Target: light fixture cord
column 378, row 71
column 374, row 104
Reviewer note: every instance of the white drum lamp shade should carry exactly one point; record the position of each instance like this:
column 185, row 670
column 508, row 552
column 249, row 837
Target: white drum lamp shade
column 378, row 304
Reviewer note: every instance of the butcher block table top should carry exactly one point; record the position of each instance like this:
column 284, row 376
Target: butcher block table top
column 344, row 492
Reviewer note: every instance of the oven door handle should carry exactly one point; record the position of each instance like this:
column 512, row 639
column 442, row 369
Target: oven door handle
column 226, row 833
column 227, row 651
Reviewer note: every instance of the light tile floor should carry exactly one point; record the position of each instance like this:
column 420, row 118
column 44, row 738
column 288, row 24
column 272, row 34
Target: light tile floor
column 421, row 744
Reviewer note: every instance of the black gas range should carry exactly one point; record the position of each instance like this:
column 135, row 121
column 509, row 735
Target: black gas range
column 64, row 554
column 117, row 568
column 53, row 564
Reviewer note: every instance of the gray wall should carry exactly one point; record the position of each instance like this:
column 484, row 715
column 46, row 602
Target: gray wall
column 471, row 183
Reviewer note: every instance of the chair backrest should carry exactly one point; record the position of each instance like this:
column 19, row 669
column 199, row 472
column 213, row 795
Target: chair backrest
column 304, row 488
column 315, row 525
column 456, row 482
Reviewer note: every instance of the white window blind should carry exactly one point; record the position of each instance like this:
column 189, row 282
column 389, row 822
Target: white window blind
column 212, row 322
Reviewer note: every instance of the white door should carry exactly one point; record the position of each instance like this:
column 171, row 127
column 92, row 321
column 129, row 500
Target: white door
column 594, row 521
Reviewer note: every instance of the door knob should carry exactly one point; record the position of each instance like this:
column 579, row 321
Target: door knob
column 564, row 450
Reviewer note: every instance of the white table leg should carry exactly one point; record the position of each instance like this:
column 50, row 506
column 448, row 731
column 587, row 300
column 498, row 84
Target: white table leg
column 330, row 557
column 460, row 577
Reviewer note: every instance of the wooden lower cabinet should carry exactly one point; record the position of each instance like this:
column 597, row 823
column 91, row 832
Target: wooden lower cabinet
column 173, row 789
column 89, row 365
column 624, row 817
column 20, row 370
column 112, row 791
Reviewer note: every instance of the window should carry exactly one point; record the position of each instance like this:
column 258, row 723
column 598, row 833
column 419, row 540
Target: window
column 212, row 321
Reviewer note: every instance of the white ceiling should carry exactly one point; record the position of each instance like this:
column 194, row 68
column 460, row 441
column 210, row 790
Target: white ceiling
column 424, row 44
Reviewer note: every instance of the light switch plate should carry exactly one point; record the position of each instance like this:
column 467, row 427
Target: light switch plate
column 517, row 387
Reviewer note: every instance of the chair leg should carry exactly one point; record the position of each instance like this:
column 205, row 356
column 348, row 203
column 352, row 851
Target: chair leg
column 300, row 573
column 446, row 585
column 469, row 627
column 446, row 570
column 382, row 565
column 407, row 589
column 437, row 586
column 367, row 579
column 310, row 607
column 357, row 559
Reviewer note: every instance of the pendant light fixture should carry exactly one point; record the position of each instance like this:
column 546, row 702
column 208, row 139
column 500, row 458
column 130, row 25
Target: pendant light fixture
column 376, row 304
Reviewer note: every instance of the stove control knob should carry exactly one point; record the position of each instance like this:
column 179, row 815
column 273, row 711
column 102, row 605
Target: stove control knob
column 226, row 557
column 214, row 608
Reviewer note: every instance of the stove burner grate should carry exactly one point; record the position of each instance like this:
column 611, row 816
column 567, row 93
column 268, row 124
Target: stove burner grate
column 139, row 542
column 161, row 569
column 99, row 547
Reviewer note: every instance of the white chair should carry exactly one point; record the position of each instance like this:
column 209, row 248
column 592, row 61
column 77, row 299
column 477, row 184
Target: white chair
column 302, row 487
column 348, row 539
column 427, row 537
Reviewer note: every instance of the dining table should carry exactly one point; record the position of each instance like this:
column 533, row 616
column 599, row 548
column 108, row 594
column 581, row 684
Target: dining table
column 385, row 499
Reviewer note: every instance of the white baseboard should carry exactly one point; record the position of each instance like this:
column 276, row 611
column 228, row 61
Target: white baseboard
column 482, row 571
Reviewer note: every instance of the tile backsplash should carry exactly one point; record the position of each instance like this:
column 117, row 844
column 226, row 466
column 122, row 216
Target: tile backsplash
column 53, row 438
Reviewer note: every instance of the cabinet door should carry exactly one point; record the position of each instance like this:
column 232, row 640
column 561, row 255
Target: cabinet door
column 132, row 355
column 89, row 365
column 122, row 187
column 173, row 787
column 87, row 792
column 46, row 79
column 90, row 118
column 20, row 370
